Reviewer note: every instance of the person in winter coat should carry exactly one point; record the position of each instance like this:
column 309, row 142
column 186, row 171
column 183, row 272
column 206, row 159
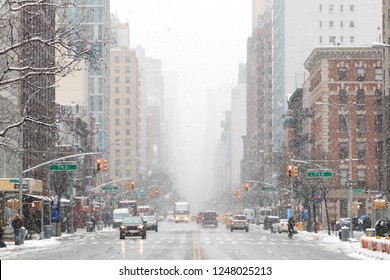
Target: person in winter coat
column 17, row 224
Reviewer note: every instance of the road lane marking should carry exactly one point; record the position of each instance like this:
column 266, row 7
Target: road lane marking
column 196, row 246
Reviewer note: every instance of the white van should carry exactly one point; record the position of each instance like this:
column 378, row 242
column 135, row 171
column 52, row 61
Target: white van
column 249, row 214
column 118, row 215
column 261, row 213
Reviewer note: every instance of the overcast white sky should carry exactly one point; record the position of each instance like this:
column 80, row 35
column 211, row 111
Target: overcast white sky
column 202, row 40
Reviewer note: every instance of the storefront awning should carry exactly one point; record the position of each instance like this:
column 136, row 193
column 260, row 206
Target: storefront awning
column 40, row 197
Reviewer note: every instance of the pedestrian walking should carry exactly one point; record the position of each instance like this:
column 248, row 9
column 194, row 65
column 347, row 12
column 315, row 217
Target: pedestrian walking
column 17, row 224
column 94, row 221
column 2, row 227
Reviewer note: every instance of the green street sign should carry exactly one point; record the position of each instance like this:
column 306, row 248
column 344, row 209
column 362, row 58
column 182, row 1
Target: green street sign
column 63, row 167
column 12, row 180
column 319, row 174
column 110, row 188
column 269, row 189
column 357, row 190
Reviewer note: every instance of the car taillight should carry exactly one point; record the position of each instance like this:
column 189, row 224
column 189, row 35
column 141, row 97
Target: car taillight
column 282, row 225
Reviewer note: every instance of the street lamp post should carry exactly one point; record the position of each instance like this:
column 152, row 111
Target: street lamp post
column 350, row 161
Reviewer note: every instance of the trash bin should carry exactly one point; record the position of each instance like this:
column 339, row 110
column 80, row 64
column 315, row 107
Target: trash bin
column 22, row 235
column 370, row 232
column 100, row 225
column 47, row 231
column 344, row 233
column 89, row 227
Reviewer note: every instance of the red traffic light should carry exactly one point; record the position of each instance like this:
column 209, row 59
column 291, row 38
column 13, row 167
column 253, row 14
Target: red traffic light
column 98, row 164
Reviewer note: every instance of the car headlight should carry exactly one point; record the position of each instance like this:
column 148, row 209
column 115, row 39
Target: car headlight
column 140, row 226
column 186, row 218
column 122, row 227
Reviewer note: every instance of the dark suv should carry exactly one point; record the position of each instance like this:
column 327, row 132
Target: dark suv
column 210, row 218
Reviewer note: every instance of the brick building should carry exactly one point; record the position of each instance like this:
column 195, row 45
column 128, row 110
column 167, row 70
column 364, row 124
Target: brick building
column 341, row 95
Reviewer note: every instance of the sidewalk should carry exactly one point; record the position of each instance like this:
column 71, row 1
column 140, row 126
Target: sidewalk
column 351, row 248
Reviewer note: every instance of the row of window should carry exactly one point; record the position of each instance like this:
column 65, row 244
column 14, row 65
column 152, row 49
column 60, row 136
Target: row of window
column 360, row 119
column 360, row 96
column 361, row 150
column 117, row 101
column 117, row 59
column 117, row 69
column 361, row 176
column 117, row 90
column 117, row 80
column 118, row 121
column 331, row 23
column 118, row 112
column 360, row 73
column 331, row 8
column 332, row 39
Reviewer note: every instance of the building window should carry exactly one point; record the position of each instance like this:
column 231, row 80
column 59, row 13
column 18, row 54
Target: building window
column 116, row 90
column 361, row 150
column 116, row 69
column 117, row 132
column 361, row 120
column 341, row 24
column 331, row 7
column 128, row 122
column 331, row 23
column 320, row 8
column 342, row 73
column 379, row 123
column 116, row 80
column 352, row 8
column 128, row 142
column 343, row 150
column 117, row 152
column 360, row 96
column 127, row 59
column 127, row 69
column 127, row 89
column 378, row 97
column 351, row 24
column 361, row 177
column 127, row 80
column 352, row 39
column 127, row 132
column 343, row 123
column 343, row 176
column 117, row 121
column 343, row 96
column 117, row 101
column 320, row 39
column 341, row 8
column 127, row 101
column 127, row 112
column 320, row 23
column 378, row 74
column 116, row 59
column 341, row 39
column 360, row 73
column 117, row 112
column 128, row 152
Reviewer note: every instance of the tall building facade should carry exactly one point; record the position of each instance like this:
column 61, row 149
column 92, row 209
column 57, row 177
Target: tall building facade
column 238, row 126
column 296, row 31
column 125, row 107
column 94, row 18
column 383, row 111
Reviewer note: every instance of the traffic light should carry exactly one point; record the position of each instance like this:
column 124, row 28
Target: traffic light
column 98, row 164
column 295, row 171
column 290, row 170
column 157, row 191
column 245, row 187
column 104, row 165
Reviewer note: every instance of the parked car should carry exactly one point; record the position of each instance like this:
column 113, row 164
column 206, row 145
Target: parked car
column 210, row 218
column 226, row 217
column 118, row 215
column 269, row 220
column 132, row 226
column 239, row 222
column 151, row 223
column 282, row 226
column 199, row 217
